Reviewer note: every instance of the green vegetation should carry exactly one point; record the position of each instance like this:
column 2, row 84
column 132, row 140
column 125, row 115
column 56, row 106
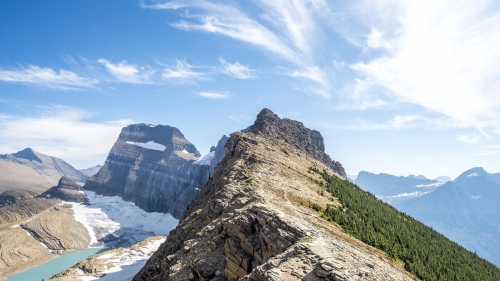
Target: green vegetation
column 250, row 180
column 424, row 252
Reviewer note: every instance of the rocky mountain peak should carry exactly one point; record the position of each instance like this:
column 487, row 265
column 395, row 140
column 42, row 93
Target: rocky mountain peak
column 296, row 134
column 28, row 154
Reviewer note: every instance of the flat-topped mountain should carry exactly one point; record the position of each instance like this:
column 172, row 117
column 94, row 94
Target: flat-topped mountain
column 35, row 171
column 152, row 166
column 272, row 211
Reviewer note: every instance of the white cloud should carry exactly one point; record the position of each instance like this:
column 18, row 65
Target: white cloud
column 47, row 78
column 213, row 95
column 182, row 72
column 236, row 70
column 445, row 57
column 60, row 131
column 375, row 40
column 129, row 73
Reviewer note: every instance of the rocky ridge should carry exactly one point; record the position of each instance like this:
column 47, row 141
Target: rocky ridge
column 152, row 166
column 297, row 135
column 251, row 221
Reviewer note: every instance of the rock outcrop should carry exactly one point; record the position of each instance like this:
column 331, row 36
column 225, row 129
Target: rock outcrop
column 21, row 204
column 35, row 171
column 66, row 190
column 152, row 166
column 250, row 221
column 57, row 230
column 297, row 135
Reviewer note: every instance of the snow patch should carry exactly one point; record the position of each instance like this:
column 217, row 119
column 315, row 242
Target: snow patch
column 436, row 184
column 29, row 234
column 475, row 197
column 14, row 226
column 475, row 174
column 185, row 151
column 110, row 214
column 205, row 160
column 149, row 145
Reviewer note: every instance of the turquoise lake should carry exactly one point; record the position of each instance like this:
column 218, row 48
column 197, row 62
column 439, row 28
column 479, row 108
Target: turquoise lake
column 45, row 271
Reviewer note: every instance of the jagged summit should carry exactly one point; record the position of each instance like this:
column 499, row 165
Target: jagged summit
column 296, row 134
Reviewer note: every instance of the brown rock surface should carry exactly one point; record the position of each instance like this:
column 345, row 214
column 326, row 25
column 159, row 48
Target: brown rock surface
column 249, row 223
column 58, row 230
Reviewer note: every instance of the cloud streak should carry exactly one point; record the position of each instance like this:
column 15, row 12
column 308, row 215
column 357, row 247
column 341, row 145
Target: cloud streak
column 47, row 78
column 128, row 73
column 288, row 29
column 236, row 70
column 211, row 95
column 182, row 72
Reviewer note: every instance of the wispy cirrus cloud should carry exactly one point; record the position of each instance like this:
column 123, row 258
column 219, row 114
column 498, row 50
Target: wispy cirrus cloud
column 182, row 72
column 212, row 95
column 288, row 29
column 236, row 70
column 47, row 78
column 128, row 73
column 61, row 131
column 444, row 57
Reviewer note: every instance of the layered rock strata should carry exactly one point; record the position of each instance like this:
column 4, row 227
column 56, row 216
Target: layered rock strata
column 250, row 221
column 152, row 166
column 57, row 230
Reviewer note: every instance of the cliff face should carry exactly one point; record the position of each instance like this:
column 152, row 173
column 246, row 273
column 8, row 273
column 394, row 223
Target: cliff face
column 251, row 221
column 152, row 166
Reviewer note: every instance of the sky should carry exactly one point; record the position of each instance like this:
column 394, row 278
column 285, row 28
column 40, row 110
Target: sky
column 399, row 87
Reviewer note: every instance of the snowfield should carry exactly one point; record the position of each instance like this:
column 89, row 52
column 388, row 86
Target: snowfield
column 149, row 145
column 117, row 223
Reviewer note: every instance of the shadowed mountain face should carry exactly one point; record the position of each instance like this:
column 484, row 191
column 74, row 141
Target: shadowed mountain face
column 66, row 190
column 31, row 170
column 465, row 210
column 152, row 166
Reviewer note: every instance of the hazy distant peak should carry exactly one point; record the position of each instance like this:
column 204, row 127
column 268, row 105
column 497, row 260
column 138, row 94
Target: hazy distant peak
column 474, row 172
column 443, row 179
column 28, row 154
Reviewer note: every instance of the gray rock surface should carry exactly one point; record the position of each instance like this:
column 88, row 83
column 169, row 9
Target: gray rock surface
column 296, row 134
column 161, row 178
column 219, row 153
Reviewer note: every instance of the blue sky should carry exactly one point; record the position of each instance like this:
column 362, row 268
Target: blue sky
column 400, row 87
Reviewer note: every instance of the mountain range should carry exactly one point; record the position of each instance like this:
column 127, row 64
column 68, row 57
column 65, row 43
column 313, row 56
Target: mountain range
column 266, row 203
column 465, row 210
